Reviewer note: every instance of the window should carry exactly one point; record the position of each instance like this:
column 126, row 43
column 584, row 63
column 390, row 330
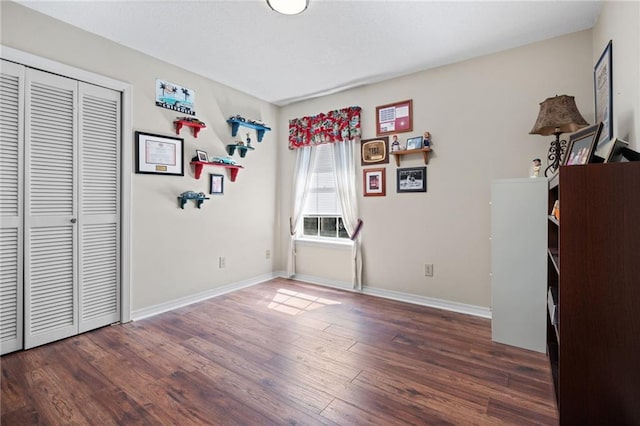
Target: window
column 322, row 215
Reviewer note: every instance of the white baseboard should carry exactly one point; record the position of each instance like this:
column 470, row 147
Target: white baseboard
column 198, row 297
column 462, row 308
column 477, row 311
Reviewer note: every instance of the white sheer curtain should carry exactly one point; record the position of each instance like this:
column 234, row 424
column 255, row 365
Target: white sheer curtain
column 341, row 129
column 301, row 177
column 345, row 170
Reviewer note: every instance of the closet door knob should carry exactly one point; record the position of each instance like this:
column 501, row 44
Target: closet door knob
column 74, row 220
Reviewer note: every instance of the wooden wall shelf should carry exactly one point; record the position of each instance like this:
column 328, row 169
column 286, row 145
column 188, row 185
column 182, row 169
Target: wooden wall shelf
column 425, row 154
column 233, row 169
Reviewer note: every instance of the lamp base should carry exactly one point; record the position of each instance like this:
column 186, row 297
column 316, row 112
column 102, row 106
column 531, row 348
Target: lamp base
column 556, row 154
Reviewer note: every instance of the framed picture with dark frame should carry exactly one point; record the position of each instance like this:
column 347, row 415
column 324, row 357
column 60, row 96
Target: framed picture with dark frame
column 412, row 179
column 616, row 149
column 202, row 156
column 603, row 90
column 216, row 184
column 158, row 154
column 582, row 145
column 394, row 118
column 374, row 182
column 415, row 143
column 374, row 151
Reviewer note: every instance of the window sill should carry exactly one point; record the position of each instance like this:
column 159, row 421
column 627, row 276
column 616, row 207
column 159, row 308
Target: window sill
column 344, row 244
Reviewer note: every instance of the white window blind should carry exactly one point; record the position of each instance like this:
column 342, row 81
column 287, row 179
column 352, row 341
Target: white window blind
column 323, row 197
column 322, row 214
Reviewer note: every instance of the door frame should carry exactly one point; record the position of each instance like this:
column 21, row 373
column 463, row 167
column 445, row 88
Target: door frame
column 126, row 90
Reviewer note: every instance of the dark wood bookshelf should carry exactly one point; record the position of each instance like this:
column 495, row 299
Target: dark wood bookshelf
column 595, row 354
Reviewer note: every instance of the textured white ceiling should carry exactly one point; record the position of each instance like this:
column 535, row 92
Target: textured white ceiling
column 332, row 46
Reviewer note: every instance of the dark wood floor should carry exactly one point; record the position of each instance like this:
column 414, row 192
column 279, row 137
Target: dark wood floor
column 280, row 353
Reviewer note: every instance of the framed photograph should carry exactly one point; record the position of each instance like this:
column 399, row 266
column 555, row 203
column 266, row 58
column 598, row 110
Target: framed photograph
column 374, row 151
column 202, row 156
column 157, row 154
column 414, row 143
column 581, row 146
column 603, row 89
column 616, row 150
column 374, row 182
column 412, row 179
column 394, row 118
column 216, row 184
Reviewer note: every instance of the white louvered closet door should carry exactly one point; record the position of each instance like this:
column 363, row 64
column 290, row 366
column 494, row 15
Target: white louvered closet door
column 11, row 219
column 50, row 254
column 59, row 207
column 98, row 223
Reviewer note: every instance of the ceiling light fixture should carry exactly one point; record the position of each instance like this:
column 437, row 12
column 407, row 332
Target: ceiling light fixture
column 288, row 7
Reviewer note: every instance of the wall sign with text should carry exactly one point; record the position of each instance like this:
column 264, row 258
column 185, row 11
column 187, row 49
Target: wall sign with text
column 174, row 97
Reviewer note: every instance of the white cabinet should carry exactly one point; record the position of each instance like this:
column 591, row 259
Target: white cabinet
column 519, row 262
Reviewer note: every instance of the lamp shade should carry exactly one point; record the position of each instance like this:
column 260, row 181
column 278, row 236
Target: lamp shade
column 558, row 115
column 288, row 7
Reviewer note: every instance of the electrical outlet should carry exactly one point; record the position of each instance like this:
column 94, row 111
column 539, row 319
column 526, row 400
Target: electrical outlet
column 267, row 254
column 222, row 262
column 428, row 269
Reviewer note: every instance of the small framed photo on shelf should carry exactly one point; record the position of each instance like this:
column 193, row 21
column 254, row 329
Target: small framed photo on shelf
column 202, row 156
column 160, row 155
column 374, row 151
column 582, row 145
column 216, row 184
column 412, row 179
column 374, row 182
column 415, row 143
column 616, row 149
column 394, row 118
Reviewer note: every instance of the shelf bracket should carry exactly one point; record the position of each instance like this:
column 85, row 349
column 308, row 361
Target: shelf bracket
column 234, row 127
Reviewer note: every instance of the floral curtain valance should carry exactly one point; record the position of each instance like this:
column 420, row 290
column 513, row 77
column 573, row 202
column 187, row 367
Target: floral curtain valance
column 333, row 126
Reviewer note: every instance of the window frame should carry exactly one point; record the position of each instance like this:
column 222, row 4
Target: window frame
column 318, row 237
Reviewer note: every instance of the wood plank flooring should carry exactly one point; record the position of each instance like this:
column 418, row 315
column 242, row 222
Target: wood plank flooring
column 278, row 353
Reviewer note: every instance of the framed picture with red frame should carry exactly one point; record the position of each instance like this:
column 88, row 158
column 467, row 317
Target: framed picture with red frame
column 394, row 118
column 374, row 182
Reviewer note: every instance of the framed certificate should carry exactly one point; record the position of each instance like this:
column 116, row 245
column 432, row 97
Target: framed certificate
column 157, row 154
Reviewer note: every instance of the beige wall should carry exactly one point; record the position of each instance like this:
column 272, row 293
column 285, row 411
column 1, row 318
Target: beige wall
column 479, row 113
column 619, row 21
column 174, row 251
